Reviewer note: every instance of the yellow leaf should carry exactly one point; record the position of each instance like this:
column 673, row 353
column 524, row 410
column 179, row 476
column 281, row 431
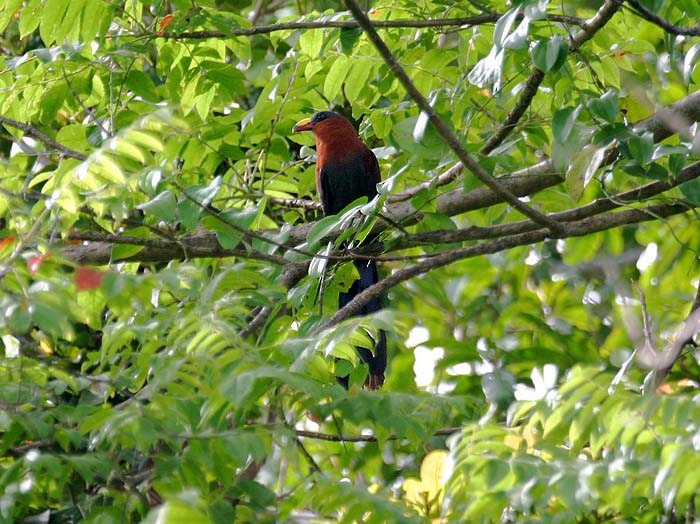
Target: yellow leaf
column 426, row 493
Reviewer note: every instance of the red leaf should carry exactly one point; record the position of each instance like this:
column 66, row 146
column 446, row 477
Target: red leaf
column 34, row 262
column 87, row 278
column 165, row 23
column 7, row 241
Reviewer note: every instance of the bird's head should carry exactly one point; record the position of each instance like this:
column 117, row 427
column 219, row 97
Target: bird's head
column 308, row 124
column 326, row 125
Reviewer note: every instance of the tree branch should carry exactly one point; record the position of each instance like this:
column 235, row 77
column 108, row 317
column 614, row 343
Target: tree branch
column 467, row 21
column 330, row 437
column 441, row 127
column 640, row 10
column 598, row 206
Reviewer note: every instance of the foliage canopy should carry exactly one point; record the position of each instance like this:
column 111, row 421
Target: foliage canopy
column 169, row 290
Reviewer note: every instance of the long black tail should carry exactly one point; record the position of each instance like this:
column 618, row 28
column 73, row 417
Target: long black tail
column 377, row 360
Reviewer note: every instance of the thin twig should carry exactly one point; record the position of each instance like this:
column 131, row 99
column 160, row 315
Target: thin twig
column 365, row 438
column 462, row 22
column 641, row 10
column 300, row 203
column 42, row 137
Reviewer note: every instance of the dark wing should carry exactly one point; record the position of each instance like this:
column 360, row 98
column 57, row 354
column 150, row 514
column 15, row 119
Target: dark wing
column 372, row 169
column 341, row 182
column 325, row 192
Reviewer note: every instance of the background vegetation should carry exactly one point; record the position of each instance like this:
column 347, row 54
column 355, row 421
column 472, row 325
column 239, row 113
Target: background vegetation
column 169, row 289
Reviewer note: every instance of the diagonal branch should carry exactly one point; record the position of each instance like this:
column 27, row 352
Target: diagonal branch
column 641, row 10
column 42, row 137
column 588, row 29
column 442, row 128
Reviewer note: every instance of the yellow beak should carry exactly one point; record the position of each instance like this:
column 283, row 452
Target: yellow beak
column 302, row 125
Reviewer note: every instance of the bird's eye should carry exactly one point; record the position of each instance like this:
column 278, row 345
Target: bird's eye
column 322, row 115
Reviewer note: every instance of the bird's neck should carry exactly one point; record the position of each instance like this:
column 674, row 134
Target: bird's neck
column 338, row 147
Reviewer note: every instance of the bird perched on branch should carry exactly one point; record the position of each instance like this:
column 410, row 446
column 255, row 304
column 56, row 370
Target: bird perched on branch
column 346, row 169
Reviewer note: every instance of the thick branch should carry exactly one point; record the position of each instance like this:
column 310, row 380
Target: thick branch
column 573, row 229
column 598, row 206
column 201, row 244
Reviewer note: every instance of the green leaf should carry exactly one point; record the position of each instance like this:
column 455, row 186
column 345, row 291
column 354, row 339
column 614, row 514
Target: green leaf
column 606, row 107
column 231, row 225
column 549, row 55
column 691, row 191
column 582, row 168
column 144, row 139
column 676, row 162
column 124, row 251
column 563, row 122
column 562, row 153
column 104, row 166
column 356, row 83
column 52, row 101
column 124, row 148
column 52, row 16
column 177, row 512
column 335, row 77
column 641, row 147
column 49, row 315
column 310, row 42
column 348, row 38
column 162, row 206
column 321, row 229
column 74, row 136
column 69, row 27
column 496, row 472
column 142, row 85
column 8, row 9
column 29, row 17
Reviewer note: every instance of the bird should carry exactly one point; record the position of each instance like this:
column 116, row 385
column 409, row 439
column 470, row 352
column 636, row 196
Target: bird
column 346, row 169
